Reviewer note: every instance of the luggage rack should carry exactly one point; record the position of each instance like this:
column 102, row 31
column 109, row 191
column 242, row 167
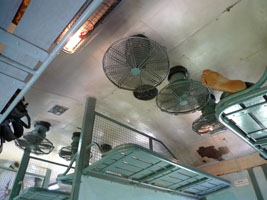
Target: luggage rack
column 142, row 166
column 244, row 113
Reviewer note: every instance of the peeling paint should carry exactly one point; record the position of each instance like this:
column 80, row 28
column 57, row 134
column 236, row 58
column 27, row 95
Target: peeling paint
column 212, row 152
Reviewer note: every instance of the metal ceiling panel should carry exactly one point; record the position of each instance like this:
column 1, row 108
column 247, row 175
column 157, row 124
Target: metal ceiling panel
column 12, row 71
column 8, row 10
column 20, row 46
column 43, row 21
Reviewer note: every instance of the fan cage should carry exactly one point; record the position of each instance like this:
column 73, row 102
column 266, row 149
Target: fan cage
column 66, row 153
column 161, row 78
column 44, row 147
column 192, row 110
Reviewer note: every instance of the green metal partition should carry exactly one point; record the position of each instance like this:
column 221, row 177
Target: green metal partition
column 245, row 113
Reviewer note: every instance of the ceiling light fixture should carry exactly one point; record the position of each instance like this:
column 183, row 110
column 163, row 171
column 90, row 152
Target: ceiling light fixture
column 81, row 35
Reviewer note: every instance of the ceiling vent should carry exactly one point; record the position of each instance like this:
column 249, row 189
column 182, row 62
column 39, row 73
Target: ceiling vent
column 58, row 110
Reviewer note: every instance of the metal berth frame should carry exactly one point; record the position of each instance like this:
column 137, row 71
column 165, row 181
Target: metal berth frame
column 245, row 114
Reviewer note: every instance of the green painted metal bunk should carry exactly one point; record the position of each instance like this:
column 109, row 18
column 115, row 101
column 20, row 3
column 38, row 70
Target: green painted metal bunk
column 245, row 114
column 142, row 166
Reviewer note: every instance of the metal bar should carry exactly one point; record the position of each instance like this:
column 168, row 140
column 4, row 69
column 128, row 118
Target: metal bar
column 134, row 130
column 162, row 176
column 246, row 110
column 150, row 144
column 142, row 170
column 47, row 178
column 262, row 141
column 27, row 173
column 192, row 184
column 80, row 21
column 85, row 139
column 255, row 184
column 156, row 175
column 51, row 162
column 259, row 132
column 264, row 169
column 115, row 161
column 20, row 175
column 167, row 149
column 180, row 182
column 16, row 64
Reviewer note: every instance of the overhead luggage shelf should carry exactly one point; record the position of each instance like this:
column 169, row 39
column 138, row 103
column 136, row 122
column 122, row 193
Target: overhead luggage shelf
column 245, row 113
column 144, row 167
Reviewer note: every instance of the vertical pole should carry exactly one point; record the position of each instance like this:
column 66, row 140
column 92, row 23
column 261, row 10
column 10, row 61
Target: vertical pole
column 20, row 175
column 150, row 144
column 47, row 178
column 85, row 139
column 264, row 169
column 255, row 184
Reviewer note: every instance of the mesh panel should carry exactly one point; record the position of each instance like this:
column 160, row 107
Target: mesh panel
column 40, row 168
column 107, row 131
column 158, row 147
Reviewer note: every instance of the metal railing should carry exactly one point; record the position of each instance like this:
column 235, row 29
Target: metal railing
column 150, row 142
